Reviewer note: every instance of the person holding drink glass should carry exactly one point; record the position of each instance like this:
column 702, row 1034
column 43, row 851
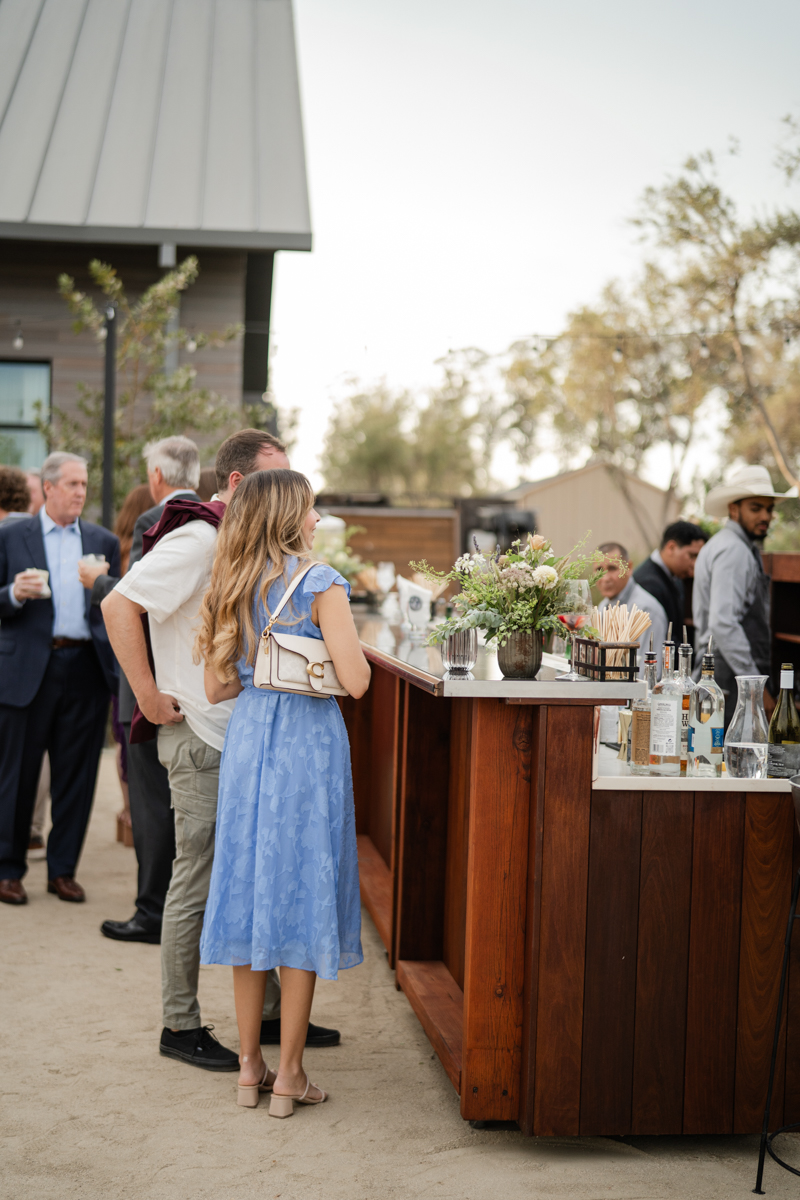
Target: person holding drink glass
column 57, row 672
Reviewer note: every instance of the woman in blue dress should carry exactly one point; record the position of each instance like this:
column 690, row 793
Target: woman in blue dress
column 284, row 885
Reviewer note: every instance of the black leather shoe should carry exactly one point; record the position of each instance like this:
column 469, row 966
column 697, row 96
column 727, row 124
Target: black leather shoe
column 135, row 930
column 317, row 1035
column 199, row 1048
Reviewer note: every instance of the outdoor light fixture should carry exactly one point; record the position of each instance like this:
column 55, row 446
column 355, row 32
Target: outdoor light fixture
column 704, row 350
column 19, row 340
column 617, row 354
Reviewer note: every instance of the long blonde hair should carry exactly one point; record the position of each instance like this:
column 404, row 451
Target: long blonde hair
column 261, row 529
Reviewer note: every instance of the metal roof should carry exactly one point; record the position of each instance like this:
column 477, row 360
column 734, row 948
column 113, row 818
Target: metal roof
column 152, row 121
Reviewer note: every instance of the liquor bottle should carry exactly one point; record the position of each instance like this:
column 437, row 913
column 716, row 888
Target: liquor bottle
column 639, row 757
column 706, row 723
column 783, row 755
column 687, row 686
column 666, row 705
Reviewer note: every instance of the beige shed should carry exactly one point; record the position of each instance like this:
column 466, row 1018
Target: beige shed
column 610, row 504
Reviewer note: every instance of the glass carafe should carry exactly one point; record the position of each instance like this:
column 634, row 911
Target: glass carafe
column 746, row 739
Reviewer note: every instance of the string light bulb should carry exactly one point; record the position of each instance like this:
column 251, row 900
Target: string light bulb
column 19, row 340
column 617, row 354
column 704, row 350
column 191, row 346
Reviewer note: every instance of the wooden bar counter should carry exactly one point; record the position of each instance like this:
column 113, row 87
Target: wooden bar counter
column 587, row 956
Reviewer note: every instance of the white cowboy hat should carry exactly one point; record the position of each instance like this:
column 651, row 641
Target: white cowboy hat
column 743, row 482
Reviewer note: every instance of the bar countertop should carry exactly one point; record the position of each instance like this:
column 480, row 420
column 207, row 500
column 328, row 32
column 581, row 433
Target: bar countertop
column 392, row 647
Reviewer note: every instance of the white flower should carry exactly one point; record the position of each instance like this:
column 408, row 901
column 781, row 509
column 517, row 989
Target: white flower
column 545, row 577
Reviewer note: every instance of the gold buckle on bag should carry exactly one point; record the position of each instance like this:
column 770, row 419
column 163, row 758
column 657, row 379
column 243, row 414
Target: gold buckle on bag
column 316, row 669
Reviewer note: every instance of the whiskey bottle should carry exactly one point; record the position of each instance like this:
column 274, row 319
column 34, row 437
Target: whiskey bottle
column 640, row 717
column 666, row 706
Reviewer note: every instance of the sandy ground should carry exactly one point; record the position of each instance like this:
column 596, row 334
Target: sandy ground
column 90, row 1109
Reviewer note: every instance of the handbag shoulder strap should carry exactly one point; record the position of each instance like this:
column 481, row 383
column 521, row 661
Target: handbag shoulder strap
column 286, row 597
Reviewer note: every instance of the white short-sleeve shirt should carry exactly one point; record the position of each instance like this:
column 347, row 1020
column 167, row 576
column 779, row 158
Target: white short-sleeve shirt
column 170, row 582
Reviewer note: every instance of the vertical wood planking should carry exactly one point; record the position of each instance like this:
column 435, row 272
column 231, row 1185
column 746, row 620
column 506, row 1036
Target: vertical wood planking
column 766, row 892
column 357, row 716
column 565, row 868
column 421, row 857
column 611, row 938
column 385, row 689
column 663, row 962
column 455, row 897
column 533, row 912
column 713, row 962
column 791, row 1112
column 494, row 975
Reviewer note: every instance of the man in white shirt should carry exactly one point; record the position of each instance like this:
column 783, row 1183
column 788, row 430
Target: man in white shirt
column 168, row 584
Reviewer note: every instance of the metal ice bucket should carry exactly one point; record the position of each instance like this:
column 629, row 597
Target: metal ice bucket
column 795, row 782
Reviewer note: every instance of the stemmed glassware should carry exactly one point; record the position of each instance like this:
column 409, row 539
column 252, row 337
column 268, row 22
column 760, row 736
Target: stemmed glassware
column 577, row 611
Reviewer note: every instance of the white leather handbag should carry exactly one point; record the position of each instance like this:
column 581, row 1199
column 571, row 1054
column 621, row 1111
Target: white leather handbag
column 286, row 662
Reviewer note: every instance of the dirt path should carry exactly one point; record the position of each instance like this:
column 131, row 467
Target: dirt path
column 91, row 1110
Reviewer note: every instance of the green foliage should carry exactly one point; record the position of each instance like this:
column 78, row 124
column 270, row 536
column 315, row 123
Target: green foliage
column 151, row 403
column 416, row 450
column 522, row 590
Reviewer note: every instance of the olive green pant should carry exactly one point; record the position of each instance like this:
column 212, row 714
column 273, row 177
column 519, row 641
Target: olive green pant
column 193, row 768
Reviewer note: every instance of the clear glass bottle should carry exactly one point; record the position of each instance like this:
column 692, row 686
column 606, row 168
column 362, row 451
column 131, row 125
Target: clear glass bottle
column 746, row 745
column 639, row 757
column 783, row 754
column 687, row 687
column 666, row 705
column 706, row 724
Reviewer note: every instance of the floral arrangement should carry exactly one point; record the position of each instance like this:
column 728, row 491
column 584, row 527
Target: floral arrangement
column 331, row 545
column 521, row 590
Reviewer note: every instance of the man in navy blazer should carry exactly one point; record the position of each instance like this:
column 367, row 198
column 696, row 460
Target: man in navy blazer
column 57, row 671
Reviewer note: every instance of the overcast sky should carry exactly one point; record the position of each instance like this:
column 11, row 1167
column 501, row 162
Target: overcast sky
column 472, row 164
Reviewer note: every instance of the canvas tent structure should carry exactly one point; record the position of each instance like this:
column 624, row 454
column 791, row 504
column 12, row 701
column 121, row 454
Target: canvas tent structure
column 138, row 131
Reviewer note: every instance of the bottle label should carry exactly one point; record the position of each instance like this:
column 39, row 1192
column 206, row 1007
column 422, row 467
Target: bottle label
column 783, row 760
column 787, row 680
column 640, row 738
column 664, row 728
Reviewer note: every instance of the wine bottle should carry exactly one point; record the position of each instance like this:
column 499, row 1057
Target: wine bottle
column 783, row 753
column 706, row 723
column 640, row 718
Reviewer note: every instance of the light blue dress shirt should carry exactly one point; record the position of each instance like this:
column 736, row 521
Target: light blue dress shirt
column 63, row 546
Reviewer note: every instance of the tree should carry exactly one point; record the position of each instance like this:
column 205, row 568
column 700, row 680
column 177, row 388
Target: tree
column 151, row 403
column 367, row 446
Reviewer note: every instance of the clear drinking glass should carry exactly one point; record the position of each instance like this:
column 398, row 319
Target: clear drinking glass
column 746, row 747
column 577, row 609
column 460, row 651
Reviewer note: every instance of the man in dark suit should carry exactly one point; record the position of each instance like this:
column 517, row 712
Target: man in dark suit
column 173, row 469
column 663, row 573
column 57, row 672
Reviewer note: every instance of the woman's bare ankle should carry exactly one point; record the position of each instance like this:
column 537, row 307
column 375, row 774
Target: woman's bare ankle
column 251, row 1068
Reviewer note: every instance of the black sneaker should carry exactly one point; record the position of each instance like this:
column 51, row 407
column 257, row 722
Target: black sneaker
column 317, row 1034
column 199, row 1048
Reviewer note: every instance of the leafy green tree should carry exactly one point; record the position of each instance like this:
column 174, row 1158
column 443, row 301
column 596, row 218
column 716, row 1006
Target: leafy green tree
column 151, row 402
column 367, row 446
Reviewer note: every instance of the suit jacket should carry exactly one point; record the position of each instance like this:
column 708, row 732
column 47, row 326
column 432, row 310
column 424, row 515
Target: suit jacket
column 26, row 633
column 106, row 583
column 668, row 591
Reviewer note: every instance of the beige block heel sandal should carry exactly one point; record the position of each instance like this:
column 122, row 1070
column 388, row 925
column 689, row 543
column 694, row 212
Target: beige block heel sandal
column 247, row 1093
column 283, row 1106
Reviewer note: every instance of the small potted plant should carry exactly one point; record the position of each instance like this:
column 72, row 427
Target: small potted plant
column 515, row 598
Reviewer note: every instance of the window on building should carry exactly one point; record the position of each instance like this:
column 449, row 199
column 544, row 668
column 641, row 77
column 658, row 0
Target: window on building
column 24, row 398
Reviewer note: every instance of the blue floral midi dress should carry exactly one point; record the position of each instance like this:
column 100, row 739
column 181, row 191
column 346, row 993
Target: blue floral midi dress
column 284, row 884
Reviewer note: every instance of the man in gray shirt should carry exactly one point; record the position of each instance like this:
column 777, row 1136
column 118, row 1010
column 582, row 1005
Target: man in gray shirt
column 618, row 586
column 730, row 599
